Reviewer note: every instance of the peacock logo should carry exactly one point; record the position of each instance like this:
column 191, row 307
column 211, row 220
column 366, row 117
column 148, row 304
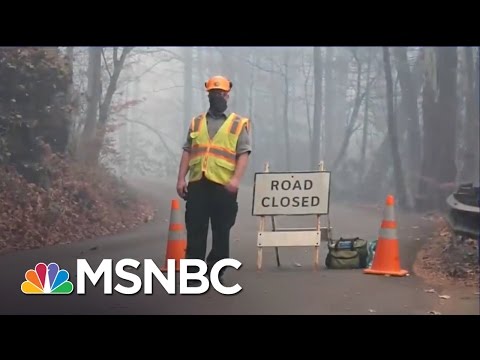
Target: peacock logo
column 47, row 280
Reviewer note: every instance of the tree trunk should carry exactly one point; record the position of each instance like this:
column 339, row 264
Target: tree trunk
column 187, row 90
column 307, row 76
column 469, row 170
column 440, row 117
column 276, row 154
column 94, row 72
column 409, row 98
column 393, row 133
column 134, row 136
column 365, row 119
column 104, row 111
column 130, row 135
column 446, row 168
column 317, row 108
column 286, row 98
column 330, row 109
column 250, row 106
column 123, row 136
column 242, row 72
column 425, row 195
column 350, row 128
column 201, row 76
column 229, row 69
column 374, row 180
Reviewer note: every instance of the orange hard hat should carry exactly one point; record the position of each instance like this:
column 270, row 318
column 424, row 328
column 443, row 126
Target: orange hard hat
column 218, row 82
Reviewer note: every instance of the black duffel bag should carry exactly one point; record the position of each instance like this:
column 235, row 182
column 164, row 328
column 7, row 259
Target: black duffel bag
column 347, row 253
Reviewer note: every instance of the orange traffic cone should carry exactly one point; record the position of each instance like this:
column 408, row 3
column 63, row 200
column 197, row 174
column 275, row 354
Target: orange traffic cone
column 177, row 242
column 386, row 260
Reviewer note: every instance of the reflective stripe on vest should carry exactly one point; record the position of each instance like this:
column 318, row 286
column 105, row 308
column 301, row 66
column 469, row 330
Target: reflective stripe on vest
column 214, row 157
column 216, row 151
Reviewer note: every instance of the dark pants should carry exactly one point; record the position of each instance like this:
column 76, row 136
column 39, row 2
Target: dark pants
column 209, row 202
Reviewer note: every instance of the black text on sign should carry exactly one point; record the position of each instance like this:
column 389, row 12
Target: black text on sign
column 304, row 193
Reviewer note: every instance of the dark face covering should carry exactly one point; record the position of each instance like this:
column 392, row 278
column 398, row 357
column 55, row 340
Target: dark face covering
column 218, row 104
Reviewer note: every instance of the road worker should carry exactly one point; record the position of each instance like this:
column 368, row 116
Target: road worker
column 215, row 155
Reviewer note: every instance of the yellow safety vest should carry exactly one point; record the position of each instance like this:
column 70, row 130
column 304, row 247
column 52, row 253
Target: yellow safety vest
column 214, row 158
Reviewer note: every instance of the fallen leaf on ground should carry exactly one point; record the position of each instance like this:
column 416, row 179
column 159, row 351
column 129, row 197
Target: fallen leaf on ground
column 372, row 311
column 430, row 290
column 444, row 296
column 445, row 233
column 433, row 312
column 298, row 265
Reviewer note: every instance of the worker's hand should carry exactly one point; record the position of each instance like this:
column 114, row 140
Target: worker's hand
column 233, row 185
column 182, row 188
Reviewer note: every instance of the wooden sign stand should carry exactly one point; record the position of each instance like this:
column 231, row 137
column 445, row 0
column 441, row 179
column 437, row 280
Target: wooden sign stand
column 292, row 237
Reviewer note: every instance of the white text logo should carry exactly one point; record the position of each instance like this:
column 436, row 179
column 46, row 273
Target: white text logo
column 106, row 270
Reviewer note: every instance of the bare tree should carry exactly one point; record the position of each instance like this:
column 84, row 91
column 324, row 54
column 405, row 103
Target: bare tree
column 94, row 72
column 187, row 88
column 365, row 116
column 286, row 99
column 469, row 170
column 381, row 160
column 409, row 97
column 317, row 107
column 351, row 128
column 393, row 132
column 439, row 119
column 97, row 110
column 306, row 72
column 331, row 124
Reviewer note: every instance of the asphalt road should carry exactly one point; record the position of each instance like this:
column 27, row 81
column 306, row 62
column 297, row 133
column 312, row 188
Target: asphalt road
column 294, row 288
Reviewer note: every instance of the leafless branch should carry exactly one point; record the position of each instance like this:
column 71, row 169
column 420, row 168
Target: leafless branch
column 154, row 65
column 156, row 132
column 175, row 87
column 106, row 63
column 163, row 51
column 277, row 70
column 112, row 85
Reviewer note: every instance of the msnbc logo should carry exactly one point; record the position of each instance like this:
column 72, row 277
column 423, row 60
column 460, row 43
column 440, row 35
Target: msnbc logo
column 47, row 280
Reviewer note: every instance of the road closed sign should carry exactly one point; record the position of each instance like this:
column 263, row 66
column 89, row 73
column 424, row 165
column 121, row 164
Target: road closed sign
column 291, row 193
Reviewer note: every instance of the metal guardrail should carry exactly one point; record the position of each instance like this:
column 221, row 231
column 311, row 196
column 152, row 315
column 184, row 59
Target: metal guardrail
column 464, row 220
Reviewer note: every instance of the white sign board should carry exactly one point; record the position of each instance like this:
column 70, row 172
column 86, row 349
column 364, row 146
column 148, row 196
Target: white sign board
column 291, row 193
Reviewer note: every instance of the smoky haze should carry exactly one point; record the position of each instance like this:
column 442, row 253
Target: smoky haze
column 76, row 122
column 384, row 120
